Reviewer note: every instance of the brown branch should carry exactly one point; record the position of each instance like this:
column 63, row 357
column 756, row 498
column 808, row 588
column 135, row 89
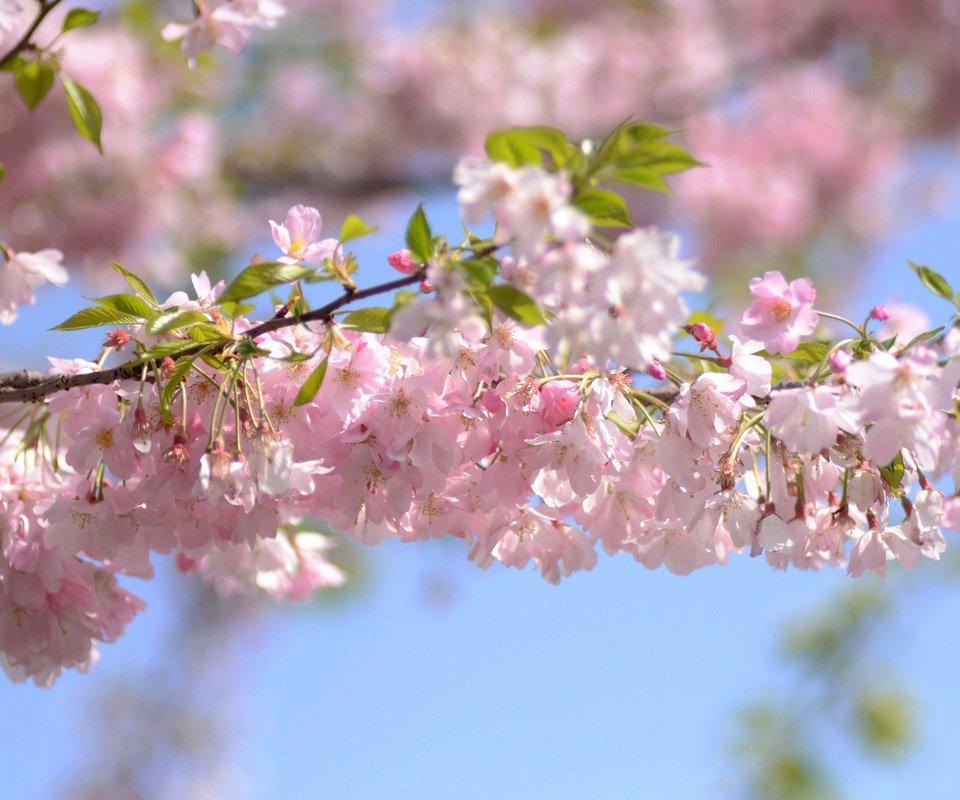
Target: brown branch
column 25, row 43
column 29, row 386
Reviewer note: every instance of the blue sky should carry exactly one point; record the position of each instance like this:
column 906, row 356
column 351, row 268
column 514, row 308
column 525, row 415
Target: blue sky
column 436, row 679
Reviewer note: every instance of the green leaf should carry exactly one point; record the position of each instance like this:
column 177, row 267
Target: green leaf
column 234, row 309
column 605, row 209
column 14, row 64
column 3, row 172
column 311, row 385
column 481, row 271
column 180, row 371
column 79, row 18
column 893, row 473
column 294, row 358
column 371, row 320
column 163, row 349
column 126, row 304
column 519, row 146
column 419, row 236
column 138, row 284
column 84, row 111
column 175, row 320
column 96, row 317
column 934, row 281
column 885, row 721
column 33, row 82
column 643, row 177
column 922, row 337
column 353, row 228
column 258, row 278
column 812, row 352
column 636, row 154
column 516, row 305
column 663, row 157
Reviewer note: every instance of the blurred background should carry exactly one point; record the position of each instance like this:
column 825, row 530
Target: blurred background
column 831, row 134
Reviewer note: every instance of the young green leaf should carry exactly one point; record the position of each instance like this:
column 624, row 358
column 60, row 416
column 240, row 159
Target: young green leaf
column 516, row 305
column 311, row 385
column 258, row 278
column 893, row 473
column 934, row 281
column 480, row 271
column 419, row 236
column 812, row 352
column 94, row 318
column 175, row 320
column 79, row 18
column 138, row 284
column 605, row 209
column 643, row 177
column 371, row 320
column 33, row 82
column 14, row 64
column 180, row 371
column 921, row 337
column 519, row 146
column 161, row 350
column 126, row 304
column 353, row 228
column 84, row 111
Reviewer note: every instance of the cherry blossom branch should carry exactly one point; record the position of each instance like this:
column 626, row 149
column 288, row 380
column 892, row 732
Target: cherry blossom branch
column 30, row 386
column 25, row 43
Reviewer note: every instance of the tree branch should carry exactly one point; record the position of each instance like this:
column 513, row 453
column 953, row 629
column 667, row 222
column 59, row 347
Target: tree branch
column 30, row 386
column 24, row 43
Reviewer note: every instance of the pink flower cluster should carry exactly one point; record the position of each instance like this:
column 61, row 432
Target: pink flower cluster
column 530, row 446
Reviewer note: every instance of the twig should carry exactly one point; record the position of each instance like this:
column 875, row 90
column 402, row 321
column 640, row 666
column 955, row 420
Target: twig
column 25, row 43
column 29, row 386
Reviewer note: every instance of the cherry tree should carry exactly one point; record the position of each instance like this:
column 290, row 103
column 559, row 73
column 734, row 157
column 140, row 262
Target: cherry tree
column 538, row 389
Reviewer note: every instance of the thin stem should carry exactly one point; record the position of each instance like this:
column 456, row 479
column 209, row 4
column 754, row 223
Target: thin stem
column 650, row 398
column 860, row 331
column 24, row 43
column 29, row 387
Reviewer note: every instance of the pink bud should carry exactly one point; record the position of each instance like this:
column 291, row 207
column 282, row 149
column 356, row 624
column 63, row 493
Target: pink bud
column 656, row 371
column 704, row 334
column 402, row 261
column 839, row 361
column 559, row 401
column 426, row 287
column 880, row 313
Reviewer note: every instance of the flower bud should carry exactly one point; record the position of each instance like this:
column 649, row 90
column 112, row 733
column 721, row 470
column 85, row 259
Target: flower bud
column 403, row 261
column 656, row 371
column 558, row 402
column 839, row 361
column 704, row 334
column 880, row 313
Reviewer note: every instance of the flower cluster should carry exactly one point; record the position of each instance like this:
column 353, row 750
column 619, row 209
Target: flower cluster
column 513, row 415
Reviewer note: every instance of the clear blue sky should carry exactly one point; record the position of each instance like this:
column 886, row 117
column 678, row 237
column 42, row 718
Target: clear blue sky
column 620, row 683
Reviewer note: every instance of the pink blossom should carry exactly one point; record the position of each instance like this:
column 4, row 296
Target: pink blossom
column 558, row 402
column 299, row 236
column 782, row 313
column 755, row 371
column 839, row 361
column 226, row 23
column 403, row 261
column 809, row 420
column 24, row 272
